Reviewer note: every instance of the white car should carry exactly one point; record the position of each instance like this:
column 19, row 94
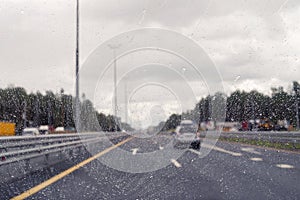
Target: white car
column 30, row 131
column 187, row 123
column 187, row 136
column 44, row 129
column 59, row 129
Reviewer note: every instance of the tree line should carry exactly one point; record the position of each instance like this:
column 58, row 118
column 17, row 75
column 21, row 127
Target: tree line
column 55, row 109
column 244, row 106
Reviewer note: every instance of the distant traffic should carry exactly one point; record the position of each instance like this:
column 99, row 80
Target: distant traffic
column 8, row 129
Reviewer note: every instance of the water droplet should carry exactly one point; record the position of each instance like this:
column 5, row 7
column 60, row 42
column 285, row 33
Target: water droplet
column 237, row 78
column 191, row 35
column 143, row 16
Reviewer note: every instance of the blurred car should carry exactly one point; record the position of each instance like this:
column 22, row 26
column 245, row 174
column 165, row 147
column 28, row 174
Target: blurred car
column 186, row 123
column 44, row 129
column 30, row 132
column 70, row 129
column 187, row 136
column 282, row 125
column 266, row 125
column 59, row 129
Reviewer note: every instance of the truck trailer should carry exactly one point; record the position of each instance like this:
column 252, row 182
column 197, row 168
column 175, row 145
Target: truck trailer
column 7, row 129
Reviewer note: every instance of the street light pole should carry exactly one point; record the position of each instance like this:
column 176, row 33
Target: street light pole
column 126, row 105
column 25, row 114
column 114, row 47
column 297, row 112
column 77, row 110
column 296, row 89
column 115, row 90
column 115, row 84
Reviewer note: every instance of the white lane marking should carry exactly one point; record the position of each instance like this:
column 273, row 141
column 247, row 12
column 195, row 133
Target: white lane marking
column 221, row 150
column 161, row 148
column 250, row 150
column 134, row 151
column 256, row 159
column 176, row 163
column 285, row 166
column 194, row 151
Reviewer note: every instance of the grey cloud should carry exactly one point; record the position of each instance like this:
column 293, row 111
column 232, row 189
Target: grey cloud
column 176, row 12
column 37, row 37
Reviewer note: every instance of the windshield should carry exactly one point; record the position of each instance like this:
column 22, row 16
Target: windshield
column 28, row 133
column 149, row 99
column 187, row 130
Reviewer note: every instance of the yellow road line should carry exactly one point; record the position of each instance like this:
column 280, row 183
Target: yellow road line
column 66, row 172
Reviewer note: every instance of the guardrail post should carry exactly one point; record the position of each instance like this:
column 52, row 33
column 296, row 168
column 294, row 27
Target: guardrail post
column 27, row 165
column 60, row 155
column 294, row 144
column 70, row 153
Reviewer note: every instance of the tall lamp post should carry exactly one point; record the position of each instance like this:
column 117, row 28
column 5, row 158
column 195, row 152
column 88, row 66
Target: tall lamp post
column 126, row 103
column 296, row 89
column 114, row 47
column 77, row 109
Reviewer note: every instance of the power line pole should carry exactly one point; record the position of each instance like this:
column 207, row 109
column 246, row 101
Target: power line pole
column 49, row 112
column 252, row 111
column 25, row 114
column 77, row 109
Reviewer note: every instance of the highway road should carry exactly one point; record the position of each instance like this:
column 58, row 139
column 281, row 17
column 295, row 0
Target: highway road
column 230, row 171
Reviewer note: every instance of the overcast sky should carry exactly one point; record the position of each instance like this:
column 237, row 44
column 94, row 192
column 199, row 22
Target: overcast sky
column 254, row 44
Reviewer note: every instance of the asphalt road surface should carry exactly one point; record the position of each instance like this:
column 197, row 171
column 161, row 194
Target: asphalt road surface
column 230, row 171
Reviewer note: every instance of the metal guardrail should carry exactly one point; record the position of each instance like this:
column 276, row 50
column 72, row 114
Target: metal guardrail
column 20, row 148
column 281, row 137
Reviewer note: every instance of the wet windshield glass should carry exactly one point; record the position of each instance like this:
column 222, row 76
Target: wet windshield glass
column 187, row 130
column 149, row 99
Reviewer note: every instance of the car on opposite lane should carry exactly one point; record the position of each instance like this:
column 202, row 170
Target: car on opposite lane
column 187, row 136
